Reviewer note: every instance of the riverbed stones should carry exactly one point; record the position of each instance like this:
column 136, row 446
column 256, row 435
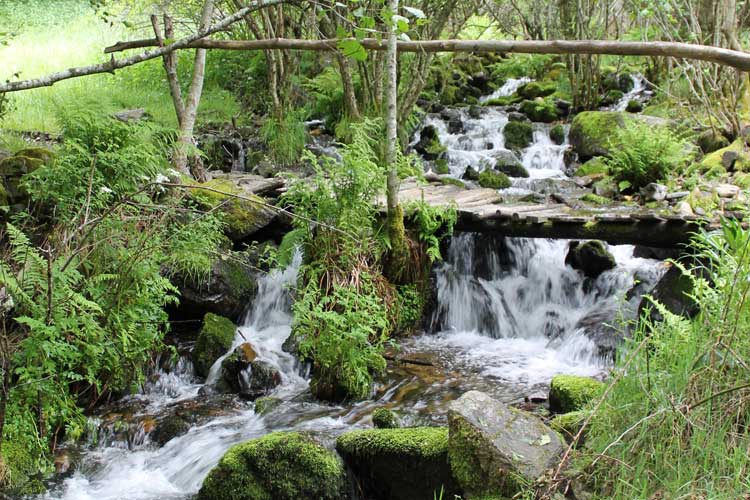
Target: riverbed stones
column 495, row 449
column 278, row 466
column 571, row 393
column 215, row 339
column 591, row 258
column 399, row 464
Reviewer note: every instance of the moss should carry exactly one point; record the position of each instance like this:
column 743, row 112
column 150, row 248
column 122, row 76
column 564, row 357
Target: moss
column 215, row 339
column 634, row 106
column 503, row 101
column 518, row 135
column 742, row 180
column 453, row 182
column 383, row 418
column 266, row 404
column 4, row 199
column 557, row 134
column 571, row 393
column 532, row 90
column 594, row 166
column 243, row 216
column 712, row 164
column 400, row 464
column 540, row 110
column 20, row 472
column 278, row 466
column 611, row 97
column 42, row 154
column 595, row 199
column 568, row 424
column 17, row 166
column 441, row 166
column 493, row 180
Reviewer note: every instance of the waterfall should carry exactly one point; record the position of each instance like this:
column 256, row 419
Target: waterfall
column 639, row 92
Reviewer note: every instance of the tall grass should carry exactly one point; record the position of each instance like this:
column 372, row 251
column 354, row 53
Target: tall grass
column 675, row 424
column 52, row 36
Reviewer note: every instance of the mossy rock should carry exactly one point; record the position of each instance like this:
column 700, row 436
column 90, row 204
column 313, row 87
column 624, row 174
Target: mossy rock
column 215, row 339
column 452, row 182
column 591, row 258
column 518, row 135
column 712, row 140
column 44, row 155
column 532, row 90
column 493, row 180
column 540, row 110
column 634, row 106
column 569, row 393
column 243, row 216
column 4, row 198
column 503, row 101
column 611, row 97
column 399, row 464
column 557, row 134
column 595, row 199
column 278, row 466
column 441, row 166
column 19, row 471
column 16, row 166
column 568, row 424
column 735, row 157
column 266, row 405
column 595, row 133
column 383, row 418
column 594, row 166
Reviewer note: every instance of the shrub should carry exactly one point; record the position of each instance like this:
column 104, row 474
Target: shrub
column 646, row 154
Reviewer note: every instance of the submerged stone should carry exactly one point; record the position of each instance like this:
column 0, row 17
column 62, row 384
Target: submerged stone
column 495, row 449
column 247, row 376
column 399, row 464
column 278, row 466
column 509, row 164
column 571, row 393
column 215, row 339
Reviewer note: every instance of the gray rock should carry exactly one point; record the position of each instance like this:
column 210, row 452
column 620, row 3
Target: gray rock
column 495, row 449
column 509, row 164
column 248, row 376
column 727, row 190
column 654, row 192
column 130, row 115
column 678, row 195
column 591, row 258
column 470, row 174
column 515, row 116
column 674, row 292
column 684, row 209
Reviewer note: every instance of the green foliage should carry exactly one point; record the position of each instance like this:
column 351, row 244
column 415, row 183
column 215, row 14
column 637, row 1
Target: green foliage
column 215, row 339
column 432, row 224
column 646, row 154
column 675, row 423
column 383, row 418
column 328, row 95
column 285, row 136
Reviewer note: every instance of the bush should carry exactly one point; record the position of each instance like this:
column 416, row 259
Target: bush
column 646, row 154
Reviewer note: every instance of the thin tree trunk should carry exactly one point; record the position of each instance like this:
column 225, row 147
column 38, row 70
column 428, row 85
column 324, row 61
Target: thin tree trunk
column 391, row 117
column 350, row 98
column 170, row 66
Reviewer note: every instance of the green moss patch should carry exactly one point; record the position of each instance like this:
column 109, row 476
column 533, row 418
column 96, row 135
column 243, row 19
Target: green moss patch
column 278, row 466
column 493, row 180
column 19, row 471
column 518, row 135
column 594, row 166
column 569, row 393
column 383, row 418
column 540, row 110
column 399, row 464
column 215, row 339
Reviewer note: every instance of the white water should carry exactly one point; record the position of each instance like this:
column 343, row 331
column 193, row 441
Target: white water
column 639, row 92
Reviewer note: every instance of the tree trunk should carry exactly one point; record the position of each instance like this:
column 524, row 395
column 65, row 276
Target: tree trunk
column 170, row 66
column 350, row 98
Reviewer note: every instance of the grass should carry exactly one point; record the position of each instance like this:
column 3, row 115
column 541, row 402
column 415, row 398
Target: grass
column 70, row 34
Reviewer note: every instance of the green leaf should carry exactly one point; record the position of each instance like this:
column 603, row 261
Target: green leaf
column 353, row 48
column 623, row 185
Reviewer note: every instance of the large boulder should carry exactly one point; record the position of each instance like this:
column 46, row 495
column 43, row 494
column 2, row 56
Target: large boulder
column 532, row 90
column 540, row 110
column 399, row 464
column 509, row 164
column 673, row 291
column 227, row 290
column 591, row 258
column 494, row 180
column 571, row 393
column 278, row 466
column 518, row 135
column 495, row 449
column 215, row 339
column 595, row 133
column 243, row 213
column 599, row 326
column 244, row 374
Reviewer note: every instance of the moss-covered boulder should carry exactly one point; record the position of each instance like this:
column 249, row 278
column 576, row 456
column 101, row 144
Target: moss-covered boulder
column 518, row 135
column 712, row 140
column 557, row 134
column 591, row 258
column 399, row 464
column 540, row 110
column 243, row 213
column 226, row 290
column 493, row 180
column 383, row 418
column 634, row 106
column 595, row 166
column 19, row 471
column 266, row 404
column 244, row 374
column 4, row 199
column 278, row 466
column 568, row 424
column 571, row 393
column 46, row 156
column 594, row 133
column 495, row 449
column 215, row 339
column 735, row 157
column 611, row 97
column 532, row 90
column 429, row 145
column 509, row 164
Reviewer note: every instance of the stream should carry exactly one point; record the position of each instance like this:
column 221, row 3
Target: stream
column 509, row 315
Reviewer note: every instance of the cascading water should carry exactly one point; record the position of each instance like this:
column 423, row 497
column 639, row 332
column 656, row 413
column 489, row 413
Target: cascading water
column 640, row 92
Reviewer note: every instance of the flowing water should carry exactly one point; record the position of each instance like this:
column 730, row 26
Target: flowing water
column 509, row 315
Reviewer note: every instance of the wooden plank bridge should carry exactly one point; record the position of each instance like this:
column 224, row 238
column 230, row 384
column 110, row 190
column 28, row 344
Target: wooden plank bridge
column 485, row 210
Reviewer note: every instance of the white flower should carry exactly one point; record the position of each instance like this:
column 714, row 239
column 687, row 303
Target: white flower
column 105, row 189
column 161, row 178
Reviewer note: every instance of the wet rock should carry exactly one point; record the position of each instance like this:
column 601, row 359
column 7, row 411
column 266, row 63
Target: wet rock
column 509, row 164
column 169, row 428
column 537, row 397
column 429, row 145
column 456, row 126
column 598, row 325
column 470, row 174
column 591, row 258
column 594, row 133
column 673, row 291
column 634, row 106
column 540, row 110
column 247, row 376
column 563, row 107
column 557, row 134
column 450, row 114
column 383, row 418
column 215, row 339
column 227, row 290
column 518, row 135
column 654, row 192
column 495, row 449
column 515, row 116
column 399, row 464
column 278, row 466
column 476, row 112
column 712, row 140
column 571, row 393
column 644, row 252
column 266, row 404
